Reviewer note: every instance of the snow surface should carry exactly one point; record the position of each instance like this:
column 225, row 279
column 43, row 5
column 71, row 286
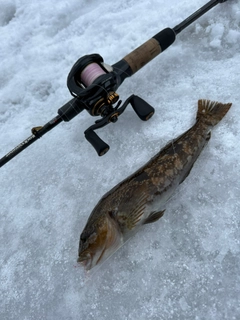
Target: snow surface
column 185, row 266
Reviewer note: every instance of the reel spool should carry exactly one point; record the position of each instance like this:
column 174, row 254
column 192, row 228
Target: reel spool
column 92, row 80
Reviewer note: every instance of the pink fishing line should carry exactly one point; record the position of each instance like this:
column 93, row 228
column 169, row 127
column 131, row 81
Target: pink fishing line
column 90, row 73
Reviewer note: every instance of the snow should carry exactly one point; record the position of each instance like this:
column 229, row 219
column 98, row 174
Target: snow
column 186, row 265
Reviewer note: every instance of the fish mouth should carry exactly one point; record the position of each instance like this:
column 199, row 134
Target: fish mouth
column 88, row 261
column 85, row 260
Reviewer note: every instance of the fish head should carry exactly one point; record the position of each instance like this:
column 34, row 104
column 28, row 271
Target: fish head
column 99, row 239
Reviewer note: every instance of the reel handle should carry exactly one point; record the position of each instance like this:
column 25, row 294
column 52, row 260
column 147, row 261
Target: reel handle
column 98, row 144
column 144, row 110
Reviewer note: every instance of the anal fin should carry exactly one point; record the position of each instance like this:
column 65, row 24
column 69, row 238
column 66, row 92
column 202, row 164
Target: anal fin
column 154, row 216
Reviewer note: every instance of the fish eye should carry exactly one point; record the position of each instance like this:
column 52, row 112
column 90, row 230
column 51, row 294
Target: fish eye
column 83, row 237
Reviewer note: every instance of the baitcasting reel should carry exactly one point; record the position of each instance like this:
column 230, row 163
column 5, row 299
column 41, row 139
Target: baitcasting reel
column 93, row 85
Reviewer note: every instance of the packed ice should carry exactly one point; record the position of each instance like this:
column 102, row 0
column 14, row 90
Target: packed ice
column 186, row 265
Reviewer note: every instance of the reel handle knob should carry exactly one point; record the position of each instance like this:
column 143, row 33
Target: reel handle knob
column 142, row 108
column 98, row 144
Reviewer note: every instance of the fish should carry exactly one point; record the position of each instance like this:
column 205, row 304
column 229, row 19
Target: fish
column 141, row 198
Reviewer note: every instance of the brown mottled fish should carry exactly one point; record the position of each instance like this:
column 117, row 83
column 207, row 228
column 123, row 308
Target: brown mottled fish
column 141, row 198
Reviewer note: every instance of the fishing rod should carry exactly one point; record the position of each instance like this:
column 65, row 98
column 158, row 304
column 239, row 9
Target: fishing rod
column 93, row 85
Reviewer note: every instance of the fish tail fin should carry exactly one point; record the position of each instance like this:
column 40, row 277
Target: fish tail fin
column 211, row 112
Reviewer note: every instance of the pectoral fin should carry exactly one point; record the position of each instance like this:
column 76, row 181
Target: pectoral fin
column 154, row 216
column 131, row 214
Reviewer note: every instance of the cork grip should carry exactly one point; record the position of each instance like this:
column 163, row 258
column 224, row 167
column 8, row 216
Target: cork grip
column 143, row 54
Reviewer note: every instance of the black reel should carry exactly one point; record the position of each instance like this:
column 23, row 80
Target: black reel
column 93, row 83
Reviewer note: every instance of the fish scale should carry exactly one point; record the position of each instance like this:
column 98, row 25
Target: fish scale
column 141, row 198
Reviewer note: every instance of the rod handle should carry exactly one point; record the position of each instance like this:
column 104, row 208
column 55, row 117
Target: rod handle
column 150, row 49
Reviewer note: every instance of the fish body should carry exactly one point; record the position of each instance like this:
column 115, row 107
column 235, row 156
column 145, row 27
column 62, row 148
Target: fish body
column 141, row 197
